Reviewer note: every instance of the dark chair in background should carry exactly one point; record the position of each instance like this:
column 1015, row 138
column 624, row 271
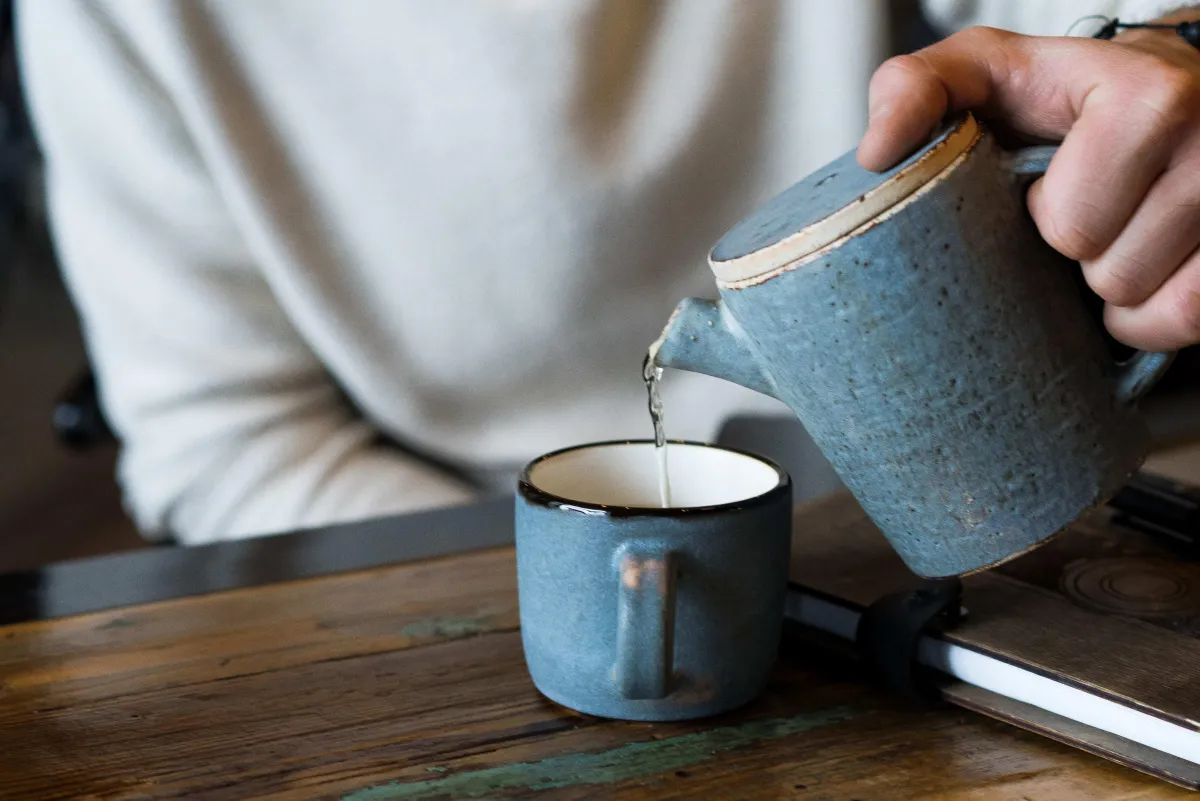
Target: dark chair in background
column 16, row 147
column 78, row 419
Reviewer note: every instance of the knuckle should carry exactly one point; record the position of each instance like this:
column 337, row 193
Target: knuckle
column 909, row 76
column 1186, row 308
column 1172, row 92
column 905, row 65
column 1176, row 85
column 1119, row 285
column 1070, row 236
column 985, row 36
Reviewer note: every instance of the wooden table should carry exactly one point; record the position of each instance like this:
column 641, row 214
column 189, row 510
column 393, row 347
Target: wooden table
column 357, row 662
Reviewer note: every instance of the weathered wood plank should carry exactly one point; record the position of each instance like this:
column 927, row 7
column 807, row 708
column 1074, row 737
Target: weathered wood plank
column 206, row 638
column 408, row 683
column 1019, row 611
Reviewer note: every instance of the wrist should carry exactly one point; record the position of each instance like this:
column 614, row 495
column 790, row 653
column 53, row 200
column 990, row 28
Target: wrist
column 1157, row 11
column 1161, row 37
column 1186, row 14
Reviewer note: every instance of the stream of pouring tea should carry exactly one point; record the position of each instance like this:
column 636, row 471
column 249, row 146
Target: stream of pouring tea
column 651, row 373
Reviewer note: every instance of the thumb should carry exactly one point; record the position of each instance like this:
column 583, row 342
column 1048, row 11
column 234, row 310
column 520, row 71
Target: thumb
column 1034, row 85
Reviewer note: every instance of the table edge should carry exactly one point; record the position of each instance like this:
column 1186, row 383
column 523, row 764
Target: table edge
column 150, row 574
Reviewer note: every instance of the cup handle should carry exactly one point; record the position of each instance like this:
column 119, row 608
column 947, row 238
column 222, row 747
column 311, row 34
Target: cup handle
column 645, row 620
column 1137, row 374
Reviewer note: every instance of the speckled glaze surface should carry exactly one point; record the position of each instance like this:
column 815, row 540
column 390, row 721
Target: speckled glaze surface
column 943, row 359
column 651, row 614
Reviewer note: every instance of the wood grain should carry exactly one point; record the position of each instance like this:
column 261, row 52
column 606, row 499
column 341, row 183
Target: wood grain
column 1094, row 741
column 1181, row 463
column 408, row 682
column 1011, row 617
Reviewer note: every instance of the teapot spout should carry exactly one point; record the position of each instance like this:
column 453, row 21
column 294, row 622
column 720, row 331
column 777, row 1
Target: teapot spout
column 703, row 337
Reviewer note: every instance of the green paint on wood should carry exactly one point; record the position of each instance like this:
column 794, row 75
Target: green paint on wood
column 445, row 627
column 115, row 623
column 632, row 761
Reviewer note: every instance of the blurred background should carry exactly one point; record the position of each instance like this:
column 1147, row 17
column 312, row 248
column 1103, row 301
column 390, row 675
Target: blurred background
column 56, row 501
column 58, row 495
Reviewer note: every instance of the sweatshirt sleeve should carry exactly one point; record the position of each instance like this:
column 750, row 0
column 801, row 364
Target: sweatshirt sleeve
column 230, row 425
column 1042, row 17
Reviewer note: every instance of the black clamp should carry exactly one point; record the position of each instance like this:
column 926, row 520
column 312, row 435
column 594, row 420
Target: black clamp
column 890, row 630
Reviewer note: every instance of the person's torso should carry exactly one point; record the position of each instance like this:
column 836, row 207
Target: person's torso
column 479, row 214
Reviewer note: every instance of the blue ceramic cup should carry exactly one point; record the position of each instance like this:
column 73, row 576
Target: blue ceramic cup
column 633, row 611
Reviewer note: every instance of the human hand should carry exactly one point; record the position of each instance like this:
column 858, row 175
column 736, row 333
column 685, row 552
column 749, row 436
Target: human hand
column 1122, row 195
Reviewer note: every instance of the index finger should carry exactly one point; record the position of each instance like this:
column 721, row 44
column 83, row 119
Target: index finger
column 1109, row 103
column 1038, row 86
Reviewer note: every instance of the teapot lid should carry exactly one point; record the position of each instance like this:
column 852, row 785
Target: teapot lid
column 829, row 204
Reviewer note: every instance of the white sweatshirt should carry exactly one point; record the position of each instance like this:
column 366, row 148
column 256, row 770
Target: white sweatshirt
column 295, row 228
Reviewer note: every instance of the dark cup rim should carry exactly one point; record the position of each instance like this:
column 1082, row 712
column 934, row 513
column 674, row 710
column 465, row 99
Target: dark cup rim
column 527, row 490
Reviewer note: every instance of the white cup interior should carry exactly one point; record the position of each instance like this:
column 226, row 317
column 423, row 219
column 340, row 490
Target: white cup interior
column 626, row 474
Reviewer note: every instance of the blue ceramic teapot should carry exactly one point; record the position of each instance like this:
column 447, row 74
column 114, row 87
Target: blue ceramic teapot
column 937, row 349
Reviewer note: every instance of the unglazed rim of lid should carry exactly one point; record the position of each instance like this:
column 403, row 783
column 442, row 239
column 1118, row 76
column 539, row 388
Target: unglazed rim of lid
column 820, row 234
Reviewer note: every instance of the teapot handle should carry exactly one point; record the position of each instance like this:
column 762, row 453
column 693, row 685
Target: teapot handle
column 1137, row 374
